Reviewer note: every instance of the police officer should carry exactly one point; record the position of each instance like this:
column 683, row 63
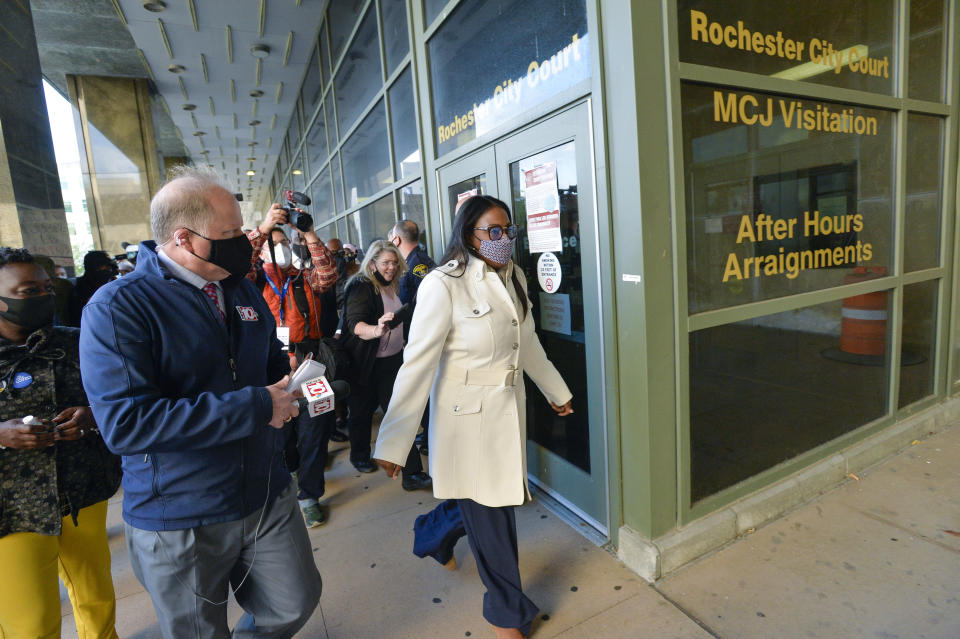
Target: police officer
column 405, row 235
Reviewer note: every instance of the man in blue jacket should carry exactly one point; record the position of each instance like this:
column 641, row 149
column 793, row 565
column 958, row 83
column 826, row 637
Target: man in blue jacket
column 187, row 381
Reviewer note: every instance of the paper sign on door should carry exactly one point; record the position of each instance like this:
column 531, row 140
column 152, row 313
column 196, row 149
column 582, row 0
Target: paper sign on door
column 543, row 209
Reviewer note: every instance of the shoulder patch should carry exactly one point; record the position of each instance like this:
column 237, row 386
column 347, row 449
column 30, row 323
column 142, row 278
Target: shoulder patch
column 420, row 270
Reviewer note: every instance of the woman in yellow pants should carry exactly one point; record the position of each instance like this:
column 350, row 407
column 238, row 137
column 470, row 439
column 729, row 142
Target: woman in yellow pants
column 55, row 471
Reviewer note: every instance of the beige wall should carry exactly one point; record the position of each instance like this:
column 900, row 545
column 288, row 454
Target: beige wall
column 119, row 159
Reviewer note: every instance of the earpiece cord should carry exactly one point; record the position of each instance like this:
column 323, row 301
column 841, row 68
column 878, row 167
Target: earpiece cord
column 256, row 537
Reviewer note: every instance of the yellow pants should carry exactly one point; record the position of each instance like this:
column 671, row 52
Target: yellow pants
column 29, row 594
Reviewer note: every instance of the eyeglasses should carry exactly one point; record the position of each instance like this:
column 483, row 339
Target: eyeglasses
column 496, row 231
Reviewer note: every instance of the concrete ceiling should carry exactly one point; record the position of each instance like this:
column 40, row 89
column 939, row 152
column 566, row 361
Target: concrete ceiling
column 87, row 37
column 212, row 40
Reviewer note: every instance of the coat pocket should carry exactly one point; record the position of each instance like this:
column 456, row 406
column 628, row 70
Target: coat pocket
column 468, row 402
column 473, row 309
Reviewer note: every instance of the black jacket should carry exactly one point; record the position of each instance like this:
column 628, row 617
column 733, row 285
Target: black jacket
column 363, row 304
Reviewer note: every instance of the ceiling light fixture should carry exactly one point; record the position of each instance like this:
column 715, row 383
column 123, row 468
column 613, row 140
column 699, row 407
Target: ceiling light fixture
column 256, row 93
column 297, row 172
column 176, row 68
column 251, row 144
column 189, row 107
column 251, row 159
column 259, row 51
column 156, row 6
column 254, row 122
column 199, row 133
column 251, row 172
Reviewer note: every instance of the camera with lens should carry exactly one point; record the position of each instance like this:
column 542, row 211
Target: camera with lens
column 302, row 221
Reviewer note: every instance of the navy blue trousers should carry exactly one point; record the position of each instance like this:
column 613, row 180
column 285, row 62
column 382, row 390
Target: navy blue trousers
column 492, row 535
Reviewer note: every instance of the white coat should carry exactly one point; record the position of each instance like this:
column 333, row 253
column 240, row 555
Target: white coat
column 467, row 351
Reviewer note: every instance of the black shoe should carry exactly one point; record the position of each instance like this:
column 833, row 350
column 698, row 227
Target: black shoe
column 417, row 481
column 337, row 436
column 365, row 466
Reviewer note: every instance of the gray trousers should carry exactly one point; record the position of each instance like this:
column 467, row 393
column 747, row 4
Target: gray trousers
column 279, row 594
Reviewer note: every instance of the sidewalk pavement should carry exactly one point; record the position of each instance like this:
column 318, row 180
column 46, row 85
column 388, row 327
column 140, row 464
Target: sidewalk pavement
column 875, row 558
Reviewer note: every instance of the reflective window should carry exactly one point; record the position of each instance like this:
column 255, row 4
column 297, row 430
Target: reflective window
column 432, row 9
column 413, row 208
column 925, row 76
column 366, row 158
column 765, row 390
column 323, row 196
column 919, row 340
column 331, row 121
column 842, row 43
column 784, row 195
column 352, row 224
column 316, row 145
column 396, row 40
column 921, row 248
column 542, row 48
column 343, row 16
column 312, row 86
column 298, row 178
column 358, row 78
column 282, row 163
column 375, row 220
column 324, row 55
column 403, row 118
column 294, row 129
column 337, row 183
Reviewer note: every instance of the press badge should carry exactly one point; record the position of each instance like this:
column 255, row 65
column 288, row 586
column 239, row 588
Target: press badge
column 283, row 334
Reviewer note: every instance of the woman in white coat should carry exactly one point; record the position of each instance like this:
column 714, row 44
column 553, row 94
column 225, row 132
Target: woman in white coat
column 471, row 339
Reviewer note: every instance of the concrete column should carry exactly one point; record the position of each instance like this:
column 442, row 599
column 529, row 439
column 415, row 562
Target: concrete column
column 118, row 158
column 31, row 205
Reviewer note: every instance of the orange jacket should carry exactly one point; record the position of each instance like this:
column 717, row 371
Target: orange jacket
column 292, row 317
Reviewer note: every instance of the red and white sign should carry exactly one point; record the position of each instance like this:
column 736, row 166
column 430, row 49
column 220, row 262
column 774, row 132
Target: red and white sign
column 465, row 195
column 247, row 314
column 542, row 198
column 319, row 396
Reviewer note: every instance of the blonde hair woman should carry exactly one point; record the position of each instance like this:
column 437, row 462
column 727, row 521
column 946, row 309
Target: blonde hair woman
column 373, row 335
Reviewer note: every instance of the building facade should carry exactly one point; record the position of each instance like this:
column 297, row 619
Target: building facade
column 737, row 223
column 738, row 219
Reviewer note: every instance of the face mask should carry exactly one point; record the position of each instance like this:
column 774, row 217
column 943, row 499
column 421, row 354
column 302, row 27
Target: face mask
column 301, row 256
column 232, row 255
column 282, row 254
column 498, row 252
column 101, row 277
column 381, row 279
column 30, row 313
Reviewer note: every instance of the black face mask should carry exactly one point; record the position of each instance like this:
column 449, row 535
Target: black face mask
column 30, row 313
column 380, row 278
column 102, row 276
column 232, row 255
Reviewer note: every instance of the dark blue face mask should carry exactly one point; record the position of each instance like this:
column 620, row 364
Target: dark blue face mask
column 232, row 255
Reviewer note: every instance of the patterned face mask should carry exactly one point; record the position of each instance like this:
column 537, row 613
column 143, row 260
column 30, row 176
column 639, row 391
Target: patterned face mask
column 499, row 251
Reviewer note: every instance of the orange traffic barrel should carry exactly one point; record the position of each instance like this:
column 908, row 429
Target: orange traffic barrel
column 863, row 318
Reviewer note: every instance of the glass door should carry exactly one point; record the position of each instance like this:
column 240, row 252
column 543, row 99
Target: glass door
column 545, row 174
column 473, row 175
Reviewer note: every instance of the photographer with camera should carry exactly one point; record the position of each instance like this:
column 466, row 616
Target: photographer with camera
column 294, row 297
